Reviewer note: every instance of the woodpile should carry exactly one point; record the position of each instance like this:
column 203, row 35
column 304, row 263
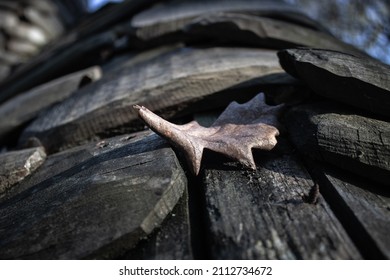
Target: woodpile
column 82, row 177
column 25, row 28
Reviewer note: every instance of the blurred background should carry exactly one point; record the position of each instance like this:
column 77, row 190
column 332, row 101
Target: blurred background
column 28, row 26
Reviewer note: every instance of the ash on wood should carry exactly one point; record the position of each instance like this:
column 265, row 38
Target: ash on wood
column 352, row 142
column 98, row 208
column 17, row 165
column 170, row 83
column 358, row 81
column 28, row 105
column 266, row 215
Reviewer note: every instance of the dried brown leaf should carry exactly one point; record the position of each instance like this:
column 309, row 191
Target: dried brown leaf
column 237, row 130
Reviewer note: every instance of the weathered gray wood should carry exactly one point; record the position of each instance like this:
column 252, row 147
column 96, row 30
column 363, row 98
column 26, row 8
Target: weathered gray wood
column 175, row 11
column 46, row 6
column 261, row 31
column 10, row 5
column 107, row 18
column 28, row 105
column 171, row 241
column 2, row 41
column 10, row 58
column 28, row 32
column 17, row 165
column 22, row 47
column 65, row 56
column 355, row 143
column 243, row 30
column 49, row 23
column 266, row 214
column 60, row 162
column 54, row 64
column 98, row 208
column 168, row 84
column 361, row 82
column 8, row 19
column 4, row 71
column 362, row 207
column 131, row 59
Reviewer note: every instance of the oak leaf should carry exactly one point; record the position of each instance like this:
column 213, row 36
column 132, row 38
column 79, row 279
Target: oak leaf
column 237, row 130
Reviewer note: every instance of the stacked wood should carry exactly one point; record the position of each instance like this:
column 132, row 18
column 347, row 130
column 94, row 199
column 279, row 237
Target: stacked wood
column 100, row 200
column 48, row 66
column 172, row 241
column 17, row 165
column 28, row 105
column 356, row 143
column 28, row 26
column 238, row 29
column 271, row 213
column 83, row 47
column 358, row 81
column 171, row 84
column 362, row 208
column 105, row 193
column 175, row 11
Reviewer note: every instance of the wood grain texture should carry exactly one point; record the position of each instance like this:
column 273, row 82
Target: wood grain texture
column 52, row 65
column 352, row 142
column 172, row 241
column 60, row 162
column 363, row 207
column 167, row 84
column 49, row 23
column 5, row 70
column 266, row 32
column 83, row 45
column 175, row 11
column 266, row 214
column 358, row 81
column 240, row 30
column 28, row 105
column 98, row 208
column 15, row 166
column 133, row 58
